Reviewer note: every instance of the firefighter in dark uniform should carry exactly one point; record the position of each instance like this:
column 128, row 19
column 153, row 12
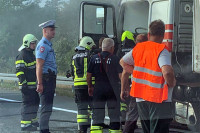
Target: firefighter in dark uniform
column 106, row 70
column 26, row 72
column 128, row 43
column 79, row 71
column 46, row 71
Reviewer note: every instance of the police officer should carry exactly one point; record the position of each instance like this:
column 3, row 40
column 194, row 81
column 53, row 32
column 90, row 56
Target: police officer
column 26, row 72
column 106, row 70
column 46, row 71
column 79, row 71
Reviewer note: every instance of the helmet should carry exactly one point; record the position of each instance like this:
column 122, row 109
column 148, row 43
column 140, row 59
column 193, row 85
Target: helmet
column 128, row 35
column 28, row 38
column 87, row 42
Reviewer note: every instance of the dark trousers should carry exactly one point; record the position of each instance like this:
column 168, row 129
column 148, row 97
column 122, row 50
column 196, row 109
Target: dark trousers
column 30, row 104
column 155, row 117
column 132, row 117
column 46, row 98
column 83, row 101
column 104, row 93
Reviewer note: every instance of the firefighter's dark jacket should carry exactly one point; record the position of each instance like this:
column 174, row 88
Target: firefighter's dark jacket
column 79, row 67
column 26, row 69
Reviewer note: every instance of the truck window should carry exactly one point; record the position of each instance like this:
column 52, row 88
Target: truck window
column 92, row 25
column 135, row 15
column 160, row 11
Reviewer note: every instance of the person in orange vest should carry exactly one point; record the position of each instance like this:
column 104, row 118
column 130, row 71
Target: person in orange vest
column 153, row 80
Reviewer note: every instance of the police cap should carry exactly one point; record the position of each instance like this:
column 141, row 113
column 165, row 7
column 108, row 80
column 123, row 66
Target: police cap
column 50, row 23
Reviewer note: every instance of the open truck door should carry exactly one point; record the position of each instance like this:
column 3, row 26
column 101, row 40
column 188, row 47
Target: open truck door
column 97, row 20
column 196, row 38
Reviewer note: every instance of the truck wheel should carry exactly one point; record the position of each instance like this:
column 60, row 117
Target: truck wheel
column 195, row 127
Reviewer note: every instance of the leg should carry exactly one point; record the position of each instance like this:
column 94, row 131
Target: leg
column 160, row 117
column 82, row 100
column 113, row 111
column 35, row 109
column 132, row 117
column 46, row 104
column 98, row 110
column 27, row 110
column 143, row 111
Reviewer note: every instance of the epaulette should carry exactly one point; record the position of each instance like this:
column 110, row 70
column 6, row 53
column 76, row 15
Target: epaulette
column 45, row 42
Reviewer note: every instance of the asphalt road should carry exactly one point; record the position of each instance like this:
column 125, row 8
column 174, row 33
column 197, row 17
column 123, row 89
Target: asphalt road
column 63, row 119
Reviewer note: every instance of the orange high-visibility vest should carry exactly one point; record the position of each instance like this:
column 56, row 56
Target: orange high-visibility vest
column 148, row 82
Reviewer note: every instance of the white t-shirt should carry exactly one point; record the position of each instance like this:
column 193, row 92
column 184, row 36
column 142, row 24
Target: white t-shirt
column 163, row 59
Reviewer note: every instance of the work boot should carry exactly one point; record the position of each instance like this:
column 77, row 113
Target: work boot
column 44, row 131
column 28, row 127
column 35, row 124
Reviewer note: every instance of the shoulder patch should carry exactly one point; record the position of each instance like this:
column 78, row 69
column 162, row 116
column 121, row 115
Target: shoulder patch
column 42, row 49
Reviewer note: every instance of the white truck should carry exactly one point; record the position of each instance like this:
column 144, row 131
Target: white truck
column 182, row 31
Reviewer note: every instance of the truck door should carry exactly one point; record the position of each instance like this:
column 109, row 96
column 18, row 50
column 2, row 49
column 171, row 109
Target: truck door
column 97, row 20
column 196, row 38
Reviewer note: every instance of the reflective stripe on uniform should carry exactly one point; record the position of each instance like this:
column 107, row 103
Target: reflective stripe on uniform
column 81, row 80
column 115, row 131
column 31, row 83
column 20, row 65
column 19, row 73
column 26, row 64
column 25, row 122
column 123, row 107
column 22, row 82
column 96, row 129
column 35, row 119
column 146, row 82
column 82, row 83
column 82, row 118
column 142, row 69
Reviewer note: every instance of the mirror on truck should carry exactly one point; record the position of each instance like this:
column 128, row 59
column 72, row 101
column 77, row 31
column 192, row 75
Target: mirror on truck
column 100, row 16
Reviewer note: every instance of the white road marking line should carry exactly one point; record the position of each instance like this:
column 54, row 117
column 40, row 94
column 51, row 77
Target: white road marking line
column 54, row 108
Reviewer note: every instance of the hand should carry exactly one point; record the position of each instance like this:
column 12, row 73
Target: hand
column 40, row 88
column 124, row 95
column 90, row 91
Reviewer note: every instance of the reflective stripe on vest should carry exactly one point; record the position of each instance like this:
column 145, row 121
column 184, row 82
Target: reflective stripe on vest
column 81, row 80
column 148, row 82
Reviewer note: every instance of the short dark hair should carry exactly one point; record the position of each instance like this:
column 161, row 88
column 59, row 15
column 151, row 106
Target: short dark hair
column 100, row 41
column 157, row 28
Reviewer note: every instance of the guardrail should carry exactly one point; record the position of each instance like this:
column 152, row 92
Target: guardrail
column 60, row 79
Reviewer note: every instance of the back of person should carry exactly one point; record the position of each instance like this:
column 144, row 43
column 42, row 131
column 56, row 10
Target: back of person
column 106, row 69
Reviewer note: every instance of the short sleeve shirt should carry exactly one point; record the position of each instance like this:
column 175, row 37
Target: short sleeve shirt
column 45, row 51
column 163, row 59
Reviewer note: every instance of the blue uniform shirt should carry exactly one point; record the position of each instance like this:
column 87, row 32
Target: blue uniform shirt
column 45, row 51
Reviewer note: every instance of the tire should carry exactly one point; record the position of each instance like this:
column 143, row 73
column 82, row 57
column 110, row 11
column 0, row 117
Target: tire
column 195, row 127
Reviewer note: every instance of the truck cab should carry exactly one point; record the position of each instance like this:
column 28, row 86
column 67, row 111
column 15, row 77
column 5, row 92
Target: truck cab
column 181, row 37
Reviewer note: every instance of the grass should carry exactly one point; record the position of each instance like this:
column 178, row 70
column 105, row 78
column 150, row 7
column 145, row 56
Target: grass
column 61, row 90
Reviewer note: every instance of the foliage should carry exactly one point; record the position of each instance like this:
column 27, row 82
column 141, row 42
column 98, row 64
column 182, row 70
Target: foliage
column 20, row 17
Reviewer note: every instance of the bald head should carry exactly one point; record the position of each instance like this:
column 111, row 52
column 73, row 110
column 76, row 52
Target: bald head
column 108, row 44
column 141, row 38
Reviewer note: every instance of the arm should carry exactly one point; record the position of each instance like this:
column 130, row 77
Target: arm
column 168, row 75
column 39, row 67
column 124, row 85
column 126, row 67
column 20, row 71
column 89, row 81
